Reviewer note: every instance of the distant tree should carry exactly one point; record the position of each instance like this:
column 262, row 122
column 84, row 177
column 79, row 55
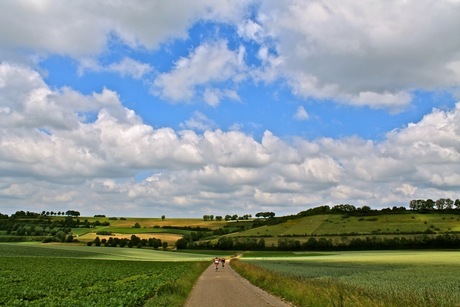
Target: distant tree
column 457, row 203
column 137, row 225
column 165, row 245
column 135, row 240
column 228, row 217
column 440, row 204
column 163, row 217
column 449, row 203
column 155, row 243
column 182, row 243
column 218, row 218
column 72, row 213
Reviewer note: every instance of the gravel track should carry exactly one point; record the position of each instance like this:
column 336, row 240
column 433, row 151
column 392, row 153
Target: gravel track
column 226, row 288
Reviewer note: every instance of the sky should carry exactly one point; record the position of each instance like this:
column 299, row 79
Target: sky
column 192, row 108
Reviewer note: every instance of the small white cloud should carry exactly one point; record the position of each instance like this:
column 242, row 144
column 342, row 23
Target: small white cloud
column 301, row 114
column 213, row 96
column 130, row 67
column 127, row 67
column 198, row 122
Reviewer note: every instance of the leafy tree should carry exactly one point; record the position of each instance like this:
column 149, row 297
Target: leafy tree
column 182, row 243
column 72, row 213
column 440, row 204
column 457, row 203
column 449, row 203
column 165, row 245
column 163, row 217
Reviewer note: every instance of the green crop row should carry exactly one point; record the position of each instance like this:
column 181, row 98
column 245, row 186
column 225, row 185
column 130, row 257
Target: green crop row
column 49, row 281
column 399, row 280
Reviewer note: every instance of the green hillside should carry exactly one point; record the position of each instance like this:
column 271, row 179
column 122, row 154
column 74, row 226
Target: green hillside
column 336, row 224
column 341, row 229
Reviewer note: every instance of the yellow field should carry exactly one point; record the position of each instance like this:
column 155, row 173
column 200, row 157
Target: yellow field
column 150, row 222
column 164, row 237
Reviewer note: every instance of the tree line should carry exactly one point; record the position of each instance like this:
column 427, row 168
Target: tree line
column 228, row 217
column 26, row 226
column 134, row 241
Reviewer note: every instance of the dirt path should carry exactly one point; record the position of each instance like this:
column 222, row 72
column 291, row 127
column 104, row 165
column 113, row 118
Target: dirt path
column 225, row 288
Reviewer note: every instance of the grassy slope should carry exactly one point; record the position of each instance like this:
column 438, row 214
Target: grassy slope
column 336, row 224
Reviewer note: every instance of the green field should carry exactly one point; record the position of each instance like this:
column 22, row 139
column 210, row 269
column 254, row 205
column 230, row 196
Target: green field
column 62, row 275
column 333, row 224
column 390, row 278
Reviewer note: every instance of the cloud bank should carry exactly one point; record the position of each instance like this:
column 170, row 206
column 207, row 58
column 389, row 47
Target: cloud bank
column 50, row 153
column 65, row 148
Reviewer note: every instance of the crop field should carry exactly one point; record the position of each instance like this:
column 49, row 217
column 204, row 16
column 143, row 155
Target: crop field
column 390, row 278
column 151, row 222
column 35, row 275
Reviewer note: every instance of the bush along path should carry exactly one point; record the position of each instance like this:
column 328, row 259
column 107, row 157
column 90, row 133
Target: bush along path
column 225, row 288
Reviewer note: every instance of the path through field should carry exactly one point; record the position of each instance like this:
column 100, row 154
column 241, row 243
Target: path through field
column 225, row 288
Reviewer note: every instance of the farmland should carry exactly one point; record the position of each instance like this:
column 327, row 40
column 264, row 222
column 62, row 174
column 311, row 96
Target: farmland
column 391, row 278
column 158, row 276
column 53, row 275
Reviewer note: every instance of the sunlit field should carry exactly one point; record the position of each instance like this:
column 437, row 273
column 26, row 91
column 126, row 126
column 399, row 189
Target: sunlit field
column 62, row 275
column 390, row 278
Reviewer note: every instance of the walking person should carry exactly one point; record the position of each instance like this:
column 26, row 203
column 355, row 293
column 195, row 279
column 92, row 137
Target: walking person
column 222, row 260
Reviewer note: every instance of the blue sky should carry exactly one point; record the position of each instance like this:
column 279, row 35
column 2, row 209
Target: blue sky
column 236, row 107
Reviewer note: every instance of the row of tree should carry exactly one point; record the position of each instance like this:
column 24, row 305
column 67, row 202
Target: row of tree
column 325, row 244
column 428, row 205
column 224, row 243
column 227, row 217
column 134, row 241
column 235, row 217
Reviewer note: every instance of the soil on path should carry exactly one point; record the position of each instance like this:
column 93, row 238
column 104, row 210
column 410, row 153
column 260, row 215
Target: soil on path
column 225, row 288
